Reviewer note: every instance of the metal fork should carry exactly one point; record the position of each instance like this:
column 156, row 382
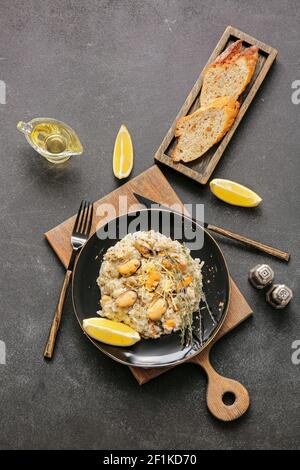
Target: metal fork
column 80, row 234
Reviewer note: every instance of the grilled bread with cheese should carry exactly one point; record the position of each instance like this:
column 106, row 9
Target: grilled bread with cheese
column 205, row 127
column 229, row 74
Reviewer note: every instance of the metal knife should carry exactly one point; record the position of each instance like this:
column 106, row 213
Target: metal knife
column 282, row 255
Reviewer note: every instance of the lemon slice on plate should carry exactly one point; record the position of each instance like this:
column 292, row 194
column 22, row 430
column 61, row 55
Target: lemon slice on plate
column 123, row 154
column 110, row 332
column 234, row 193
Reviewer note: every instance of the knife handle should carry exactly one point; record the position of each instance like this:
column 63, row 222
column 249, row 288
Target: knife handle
column 49, row 348
column 252, row 243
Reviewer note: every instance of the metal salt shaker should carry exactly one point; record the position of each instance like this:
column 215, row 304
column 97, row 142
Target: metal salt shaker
column 279, row 296
column 261, row 276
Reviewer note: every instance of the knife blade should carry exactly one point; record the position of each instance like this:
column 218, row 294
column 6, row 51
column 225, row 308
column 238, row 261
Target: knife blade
column 149, row 204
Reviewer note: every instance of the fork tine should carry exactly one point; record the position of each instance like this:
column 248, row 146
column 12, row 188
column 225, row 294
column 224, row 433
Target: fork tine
column 84, row 219
column 87, row 218
column 90, row 219
column 82, row 222
column 76, row 224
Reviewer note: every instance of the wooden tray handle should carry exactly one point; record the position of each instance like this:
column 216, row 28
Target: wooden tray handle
column 217, row 387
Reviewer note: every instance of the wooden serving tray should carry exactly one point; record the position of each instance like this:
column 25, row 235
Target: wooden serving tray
column 152, row 184
column 201, row 169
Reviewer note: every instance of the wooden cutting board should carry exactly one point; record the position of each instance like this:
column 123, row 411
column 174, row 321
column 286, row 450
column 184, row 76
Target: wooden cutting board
column 152, row 184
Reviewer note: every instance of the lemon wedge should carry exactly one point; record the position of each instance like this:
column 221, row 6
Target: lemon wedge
column 123, row 154
column 110, row 332
column 234, row 193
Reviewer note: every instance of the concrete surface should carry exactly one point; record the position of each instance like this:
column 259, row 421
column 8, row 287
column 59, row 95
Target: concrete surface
column 95, row 65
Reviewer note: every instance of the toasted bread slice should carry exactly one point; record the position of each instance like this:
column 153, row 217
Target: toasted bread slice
column 204, row 128
column 229, row 74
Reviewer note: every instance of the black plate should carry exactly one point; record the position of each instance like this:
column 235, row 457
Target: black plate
column 166, row 350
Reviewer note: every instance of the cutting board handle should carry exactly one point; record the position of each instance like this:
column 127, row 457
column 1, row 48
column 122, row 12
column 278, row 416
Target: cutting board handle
column 218, row 387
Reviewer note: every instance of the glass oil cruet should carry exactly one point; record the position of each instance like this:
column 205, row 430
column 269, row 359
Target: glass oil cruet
column 53, row 139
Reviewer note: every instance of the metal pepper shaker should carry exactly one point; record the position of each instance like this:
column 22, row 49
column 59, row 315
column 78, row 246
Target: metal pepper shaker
column 261, row 276
column 279, row 296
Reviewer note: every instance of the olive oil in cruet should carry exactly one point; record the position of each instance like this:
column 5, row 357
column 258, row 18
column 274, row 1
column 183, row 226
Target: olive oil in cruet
column 53, row 139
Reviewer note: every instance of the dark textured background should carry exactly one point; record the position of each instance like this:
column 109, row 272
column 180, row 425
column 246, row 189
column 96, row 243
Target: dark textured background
column 95, row 65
